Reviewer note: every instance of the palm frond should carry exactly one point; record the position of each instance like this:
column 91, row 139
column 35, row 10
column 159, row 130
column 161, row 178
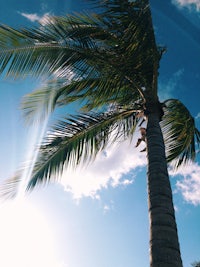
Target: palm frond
column 73, row 141
column 9, row 189
column 129, row 51
column 21, row 55
column 91, row 92
column 180, row 134
column 118, row 43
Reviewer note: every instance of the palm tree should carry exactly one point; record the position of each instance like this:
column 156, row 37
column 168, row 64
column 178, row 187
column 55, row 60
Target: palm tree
column 108, row 62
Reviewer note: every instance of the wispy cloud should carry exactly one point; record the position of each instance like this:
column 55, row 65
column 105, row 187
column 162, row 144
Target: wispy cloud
column 34, row 17
column 188, row 183
column 176, row 208
column 197, row 117
column 187, row 3
column 108, row 207
column 31, row 17
column 107, row 170
column 167, row 89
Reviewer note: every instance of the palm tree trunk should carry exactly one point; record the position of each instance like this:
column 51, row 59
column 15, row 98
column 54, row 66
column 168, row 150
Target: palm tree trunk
column 164, row 244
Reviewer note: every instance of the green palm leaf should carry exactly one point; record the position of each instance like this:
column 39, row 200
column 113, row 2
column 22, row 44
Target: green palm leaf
column 91, row 93
column 73, row 141
column 105, row 44
column 180, row 134
column 70, row 33
column 20, row 55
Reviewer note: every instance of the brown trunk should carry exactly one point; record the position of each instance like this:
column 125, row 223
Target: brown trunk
column 164, row 244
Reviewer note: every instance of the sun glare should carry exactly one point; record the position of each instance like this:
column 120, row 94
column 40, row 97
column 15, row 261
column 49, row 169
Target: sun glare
column 36, row 135
column 26, row 237
column 34, row 138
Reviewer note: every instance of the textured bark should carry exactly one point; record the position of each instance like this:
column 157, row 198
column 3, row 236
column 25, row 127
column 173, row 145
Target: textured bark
column 164, row 244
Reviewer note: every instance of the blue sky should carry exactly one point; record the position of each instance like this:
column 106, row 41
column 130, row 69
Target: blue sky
column 99, row 216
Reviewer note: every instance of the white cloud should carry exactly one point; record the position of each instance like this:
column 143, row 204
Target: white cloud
column 106, row 208
column 188, row 3
column 107, row 170
column 189, row 183
column 35, row 17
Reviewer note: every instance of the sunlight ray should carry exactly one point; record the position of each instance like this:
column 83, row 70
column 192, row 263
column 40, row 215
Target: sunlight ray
column 36, row 135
